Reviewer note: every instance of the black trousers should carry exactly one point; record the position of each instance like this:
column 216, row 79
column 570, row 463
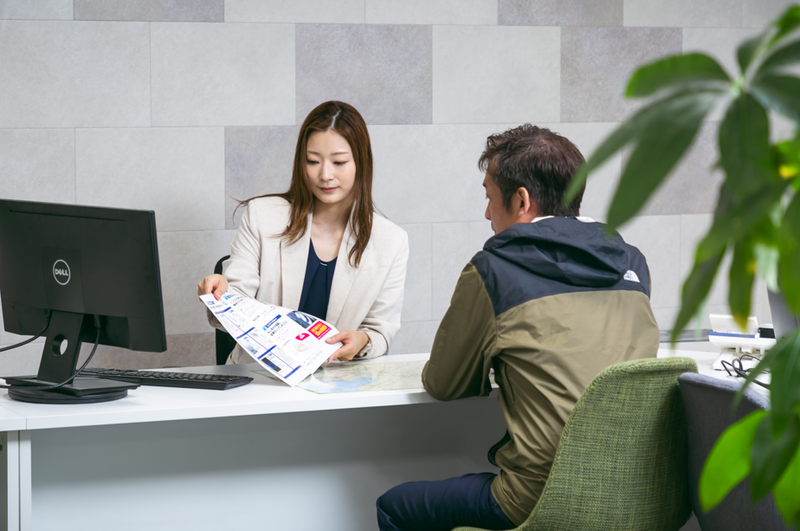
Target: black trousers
column 442, row 505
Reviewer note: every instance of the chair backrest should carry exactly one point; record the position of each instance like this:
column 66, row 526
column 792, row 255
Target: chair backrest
column 708, row 412
column 621, row 463
column 223, row 341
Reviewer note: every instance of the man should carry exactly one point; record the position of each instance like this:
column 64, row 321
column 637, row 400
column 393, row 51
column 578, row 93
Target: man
column 549, row 302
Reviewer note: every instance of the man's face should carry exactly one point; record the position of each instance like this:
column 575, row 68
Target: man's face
column 500, row 217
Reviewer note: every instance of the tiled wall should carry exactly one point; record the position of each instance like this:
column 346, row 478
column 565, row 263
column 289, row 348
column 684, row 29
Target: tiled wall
column 182, row 106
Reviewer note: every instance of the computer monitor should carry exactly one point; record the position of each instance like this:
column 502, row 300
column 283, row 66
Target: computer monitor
column 74, row 266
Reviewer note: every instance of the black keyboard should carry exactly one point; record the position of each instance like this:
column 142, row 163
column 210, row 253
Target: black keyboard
column 218, row 382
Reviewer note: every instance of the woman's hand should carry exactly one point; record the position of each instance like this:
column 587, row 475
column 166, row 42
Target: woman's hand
column 353, row 340
column 215, row 284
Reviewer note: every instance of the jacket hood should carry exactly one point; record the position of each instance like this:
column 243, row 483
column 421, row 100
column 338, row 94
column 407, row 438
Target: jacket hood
column 565, row 249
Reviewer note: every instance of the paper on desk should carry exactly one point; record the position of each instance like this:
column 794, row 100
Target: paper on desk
column 289, row 344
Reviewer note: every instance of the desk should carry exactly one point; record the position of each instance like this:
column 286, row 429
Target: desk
column 262, row 456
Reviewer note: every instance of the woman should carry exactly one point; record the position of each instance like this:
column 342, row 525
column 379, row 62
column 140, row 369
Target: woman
column 321, row 247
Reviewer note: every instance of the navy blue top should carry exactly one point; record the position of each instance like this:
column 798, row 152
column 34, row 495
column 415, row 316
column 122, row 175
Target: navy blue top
column 317, row 285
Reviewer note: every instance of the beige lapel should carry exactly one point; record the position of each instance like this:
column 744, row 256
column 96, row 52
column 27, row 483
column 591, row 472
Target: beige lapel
column 343, row 278
column 293, row 268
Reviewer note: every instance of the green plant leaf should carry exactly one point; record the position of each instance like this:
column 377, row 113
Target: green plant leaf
column 695, row 290
column 728, row 463
column 781, row 57
column 779, row 93
column 746, row 51
column 741, row 274
column 785, row 373
column 661, row 142
column 789, row 246
column 739, row 220
column 787, row 491
column 617, row 140
column 744, row 145
column 771, row 454
column 631, row 130
column 786, row 23
column 767, row 264
column 674, row 72
column 767, row 362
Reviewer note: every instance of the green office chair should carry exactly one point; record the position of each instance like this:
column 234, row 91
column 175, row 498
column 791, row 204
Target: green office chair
column 622, row 462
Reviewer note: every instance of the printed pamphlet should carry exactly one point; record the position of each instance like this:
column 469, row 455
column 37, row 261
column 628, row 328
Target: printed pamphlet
column 289, row 344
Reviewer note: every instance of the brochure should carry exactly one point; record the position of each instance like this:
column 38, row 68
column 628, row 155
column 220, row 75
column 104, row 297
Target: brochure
column 289, row 344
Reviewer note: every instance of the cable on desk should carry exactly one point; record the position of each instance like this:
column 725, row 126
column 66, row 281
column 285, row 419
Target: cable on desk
column 34, row 338
column 736, row 368
column 75, row 375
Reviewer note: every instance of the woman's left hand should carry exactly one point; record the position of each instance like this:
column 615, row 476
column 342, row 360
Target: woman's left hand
column 353, row 341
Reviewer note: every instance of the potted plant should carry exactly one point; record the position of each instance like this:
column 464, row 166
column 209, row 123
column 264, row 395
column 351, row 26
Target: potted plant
column 756, row 220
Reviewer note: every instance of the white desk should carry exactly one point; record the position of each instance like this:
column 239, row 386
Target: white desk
column 261, row 456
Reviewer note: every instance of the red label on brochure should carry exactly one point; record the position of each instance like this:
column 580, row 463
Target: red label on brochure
column 302, row 336
column 319, row 329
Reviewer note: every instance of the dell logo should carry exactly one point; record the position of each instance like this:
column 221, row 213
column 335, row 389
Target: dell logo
column 61, row 272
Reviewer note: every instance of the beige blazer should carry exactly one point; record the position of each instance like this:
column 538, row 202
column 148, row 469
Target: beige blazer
column 368, row 298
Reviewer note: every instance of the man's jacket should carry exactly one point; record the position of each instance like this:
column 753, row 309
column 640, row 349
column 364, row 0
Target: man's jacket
column 548, row 305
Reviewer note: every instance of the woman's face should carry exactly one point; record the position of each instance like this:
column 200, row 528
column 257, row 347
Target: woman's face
column 330, row 168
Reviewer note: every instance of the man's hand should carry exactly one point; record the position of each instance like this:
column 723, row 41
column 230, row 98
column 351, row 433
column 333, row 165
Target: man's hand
column 353, row 341
column 215, row 284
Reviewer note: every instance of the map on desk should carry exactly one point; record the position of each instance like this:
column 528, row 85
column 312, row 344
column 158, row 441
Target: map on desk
column 356, row 377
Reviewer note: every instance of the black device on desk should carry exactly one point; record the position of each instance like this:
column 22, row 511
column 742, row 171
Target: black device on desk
column 82, row 274
column 217, row 382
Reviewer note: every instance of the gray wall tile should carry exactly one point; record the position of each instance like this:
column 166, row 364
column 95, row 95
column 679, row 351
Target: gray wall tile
column 758, row 13
column 74, row 74
column 485, row 74
column 38, row 164
column 596, row 64
column 659, row 239
column 183, row 350
column 313, row 11
column 665, row 317
column 781, row 128
column 705, row 14
column 151, row 10
column 429, row 173
column 454, row 244
column 185, row 259
column 39, row 10
column 431, row 12
column 223, row 74
column 415, row 337
column 383, row 71
column 560, row 12
column 258, row 161
column 417, row 295
column 694, row 185
column 22, row 361
column 178, row 172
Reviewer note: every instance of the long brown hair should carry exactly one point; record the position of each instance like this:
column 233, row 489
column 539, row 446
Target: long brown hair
column 346, row 121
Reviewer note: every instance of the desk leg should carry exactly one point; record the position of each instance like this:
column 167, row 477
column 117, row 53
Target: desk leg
column 25, row 482
column 9, row 472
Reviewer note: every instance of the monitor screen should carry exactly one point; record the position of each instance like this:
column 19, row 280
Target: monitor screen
column 68, row 267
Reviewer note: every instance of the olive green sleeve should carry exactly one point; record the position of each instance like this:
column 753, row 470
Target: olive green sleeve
column 462, row 351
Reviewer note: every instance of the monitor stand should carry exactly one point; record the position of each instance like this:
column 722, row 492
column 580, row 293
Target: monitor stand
column 59, row 362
